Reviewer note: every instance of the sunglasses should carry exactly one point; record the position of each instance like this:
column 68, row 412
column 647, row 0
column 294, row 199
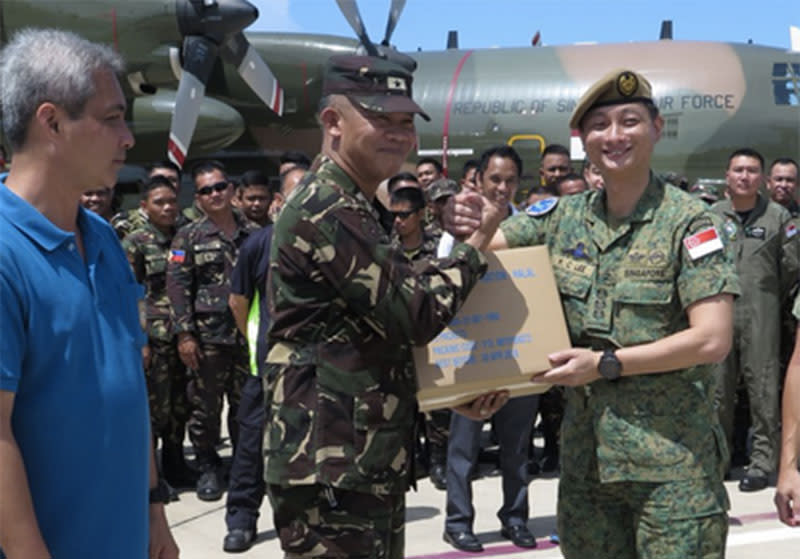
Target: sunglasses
column 218, row 187
column 405, row 214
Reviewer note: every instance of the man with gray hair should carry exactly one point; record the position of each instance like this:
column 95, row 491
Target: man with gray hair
column 75, row 447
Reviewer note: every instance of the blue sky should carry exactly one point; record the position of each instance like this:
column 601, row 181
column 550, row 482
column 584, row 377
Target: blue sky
column 507, row 23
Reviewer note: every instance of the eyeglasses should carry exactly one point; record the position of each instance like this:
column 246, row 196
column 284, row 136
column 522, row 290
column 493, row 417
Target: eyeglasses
column 405, row 214
column 218, row 187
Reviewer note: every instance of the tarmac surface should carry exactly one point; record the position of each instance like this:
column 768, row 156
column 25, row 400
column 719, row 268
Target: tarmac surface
column 755, row 532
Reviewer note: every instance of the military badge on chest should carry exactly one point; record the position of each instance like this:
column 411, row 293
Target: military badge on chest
column 731, row 230
column 755, row 232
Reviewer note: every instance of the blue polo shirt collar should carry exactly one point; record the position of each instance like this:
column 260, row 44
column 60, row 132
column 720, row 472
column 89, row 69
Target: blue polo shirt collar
column 33, row 224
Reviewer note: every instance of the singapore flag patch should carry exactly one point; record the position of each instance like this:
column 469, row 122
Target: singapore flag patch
column 702, row 243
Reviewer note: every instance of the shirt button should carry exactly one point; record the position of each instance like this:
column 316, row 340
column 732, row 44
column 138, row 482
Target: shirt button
column 71, row 246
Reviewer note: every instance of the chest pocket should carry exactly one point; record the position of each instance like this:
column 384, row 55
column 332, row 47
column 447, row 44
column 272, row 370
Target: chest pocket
column 572, row 285
column 645, row 311
column 210, row 257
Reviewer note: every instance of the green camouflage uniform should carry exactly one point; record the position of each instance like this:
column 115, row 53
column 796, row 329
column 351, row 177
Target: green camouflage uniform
column 647, row 435
column 346, row 307
column 126, row 221
column 147, row 249
column 198, row 284
column 765, row 246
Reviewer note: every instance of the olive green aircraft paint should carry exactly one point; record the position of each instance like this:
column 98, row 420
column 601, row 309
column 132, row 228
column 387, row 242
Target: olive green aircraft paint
column 715, row 97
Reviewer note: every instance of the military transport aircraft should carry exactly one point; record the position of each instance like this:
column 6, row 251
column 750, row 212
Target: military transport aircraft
column 194, row 77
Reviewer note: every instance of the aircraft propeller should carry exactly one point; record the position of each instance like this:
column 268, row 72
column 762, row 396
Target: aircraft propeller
column 212, row 28
column 351, row 13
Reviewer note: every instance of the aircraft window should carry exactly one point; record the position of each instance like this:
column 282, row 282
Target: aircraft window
column 787, row 85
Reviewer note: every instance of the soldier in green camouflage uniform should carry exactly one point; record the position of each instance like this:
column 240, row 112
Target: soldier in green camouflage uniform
column 647, row 286
column 346, row 307
column 765, row 241
column 198, row 284
column 147, row 248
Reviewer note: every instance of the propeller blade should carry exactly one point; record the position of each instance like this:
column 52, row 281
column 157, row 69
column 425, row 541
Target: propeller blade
column 353, row 16
column 394, row 15
column 238, row 51
column 199, row 55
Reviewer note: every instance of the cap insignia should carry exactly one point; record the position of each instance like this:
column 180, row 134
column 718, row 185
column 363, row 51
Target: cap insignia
column 627, row 84
column 394, row 83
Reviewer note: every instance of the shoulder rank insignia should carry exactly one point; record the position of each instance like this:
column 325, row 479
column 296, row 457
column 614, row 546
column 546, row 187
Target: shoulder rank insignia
column 542, row 207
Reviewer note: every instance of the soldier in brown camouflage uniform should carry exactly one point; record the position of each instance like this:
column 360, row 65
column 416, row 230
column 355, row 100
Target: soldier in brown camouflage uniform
column 198, row 284
column 346, row 307
column 647, row 284
column 147, row 249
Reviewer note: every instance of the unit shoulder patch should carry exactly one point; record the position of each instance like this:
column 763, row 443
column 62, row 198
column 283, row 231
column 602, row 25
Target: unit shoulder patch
column 542, row 207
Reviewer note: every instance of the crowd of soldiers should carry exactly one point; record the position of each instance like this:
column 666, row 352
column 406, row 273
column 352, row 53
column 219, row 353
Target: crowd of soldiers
column 197, row 353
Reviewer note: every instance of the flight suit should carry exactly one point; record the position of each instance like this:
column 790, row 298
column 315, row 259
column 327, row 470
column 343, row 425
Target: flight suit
column 766, row 251
column 198, row 284
column 641, row 456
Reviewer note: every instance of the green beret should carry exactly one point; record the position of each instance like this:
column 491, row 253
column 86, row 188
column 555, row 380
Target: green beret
column 375, row 84
column 616, row 87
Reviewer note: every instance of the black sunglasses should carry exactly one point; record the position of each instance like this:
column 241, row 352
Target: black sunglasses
column 219, row 187
column 405, row 214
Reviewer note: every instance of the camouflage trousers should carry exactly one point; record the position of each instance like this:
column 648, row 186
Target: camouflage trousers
column 683, row 519
column 437, row 431
column 223, row 370
column 166, row 389
column 315, row 521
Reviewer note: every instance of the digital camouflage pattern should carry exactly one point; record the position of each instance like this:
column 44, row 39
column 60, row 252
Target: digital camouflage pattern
column 766, row 249
column 346, row 307
column 199, row 280
column 319, row 521
column 594, row 519
column 623, row 287
column 147, row 250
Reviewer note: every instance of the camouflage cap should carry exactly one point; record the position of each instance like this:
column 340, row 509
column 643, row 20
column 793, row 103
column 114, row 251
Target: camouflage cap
column 441, row 188
column 375, row 84
column 618, row 86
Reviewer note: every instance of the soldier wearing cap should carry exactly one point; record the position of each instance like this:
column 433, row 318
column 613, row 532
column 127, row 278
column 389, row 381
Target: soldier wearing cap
column 346, row 307
column 647, row 282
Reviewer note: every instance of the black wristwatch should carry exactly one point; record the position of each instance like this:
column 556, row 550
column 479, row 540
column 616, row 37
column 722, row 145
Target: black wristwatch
column 609, row 367
column 159, row 493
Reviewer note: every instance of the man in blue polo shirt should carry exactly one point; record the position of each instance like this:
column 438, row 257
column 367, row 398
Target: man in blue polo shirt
column 75, row 452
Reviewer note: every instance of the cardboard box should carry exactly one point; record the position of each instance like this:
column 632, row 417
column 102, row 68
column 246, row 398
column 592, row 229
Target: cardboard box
column 509, row 324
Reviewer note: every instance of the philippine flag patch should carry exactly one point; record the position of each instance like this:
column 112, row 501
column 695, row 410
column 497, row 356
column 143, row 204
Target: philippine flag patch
column 177, row 256
column 702, row 243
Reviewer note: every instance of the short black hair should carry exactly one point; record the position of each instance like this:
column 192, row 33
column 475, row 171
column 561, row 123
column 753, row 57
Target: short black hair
column 152, row 183
column 504, row 151
column 470, row 164
column 253, row 177
column 402, row 176
column 784, row 161
column 555, row 149
column 163, row 164
column 297, row 157
column 747, row 152
column 435, row 162
column 410, row 194
column 569, row 177
column 208, row 166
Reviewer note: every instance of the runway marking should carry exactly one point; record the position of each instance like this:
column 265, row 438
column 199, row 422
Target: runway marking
column 543, row 544
column 772, row 535
column 743, row 519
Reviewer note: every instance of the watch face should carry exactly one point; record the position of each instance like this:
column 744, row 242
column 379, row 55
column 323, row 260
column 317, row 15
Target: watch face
column 609, row 367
